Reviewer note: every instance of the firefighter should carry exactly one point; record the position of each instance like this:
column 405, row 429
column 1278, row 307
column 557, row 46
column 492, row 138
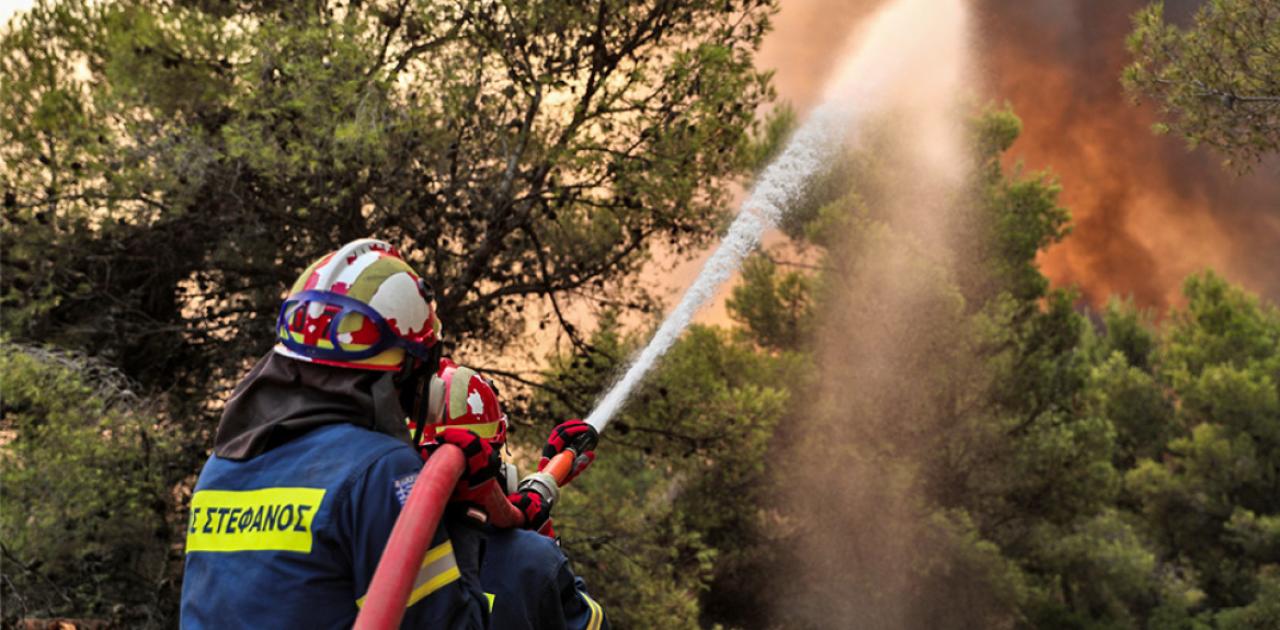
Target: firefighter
column 525, row 574
column 312, row 462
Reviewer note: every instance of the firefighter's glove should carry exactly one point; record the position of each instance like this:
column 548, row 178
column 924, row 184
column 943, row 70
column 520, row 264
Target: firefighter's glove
column 570, row 433
column 537, row 512
column 480, row 475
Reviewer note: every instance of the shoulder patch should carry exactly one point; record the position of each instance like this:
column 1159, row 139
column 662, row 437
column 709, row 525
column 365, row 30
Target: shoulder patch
column 404, row 486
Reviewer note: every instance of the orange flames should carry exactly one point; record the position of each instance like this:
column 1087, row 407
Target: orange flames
column 1146, row 212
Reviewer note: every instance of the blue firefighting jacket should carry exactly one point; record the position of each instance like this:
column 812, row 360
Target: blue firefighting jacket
column 532, row 587
column 290, row 538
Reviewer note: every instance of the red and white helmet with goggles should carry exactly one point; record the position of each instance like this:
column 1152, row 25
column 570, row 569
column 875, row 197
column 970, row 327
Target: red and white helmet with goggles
column 460, row 398
column 361, row 307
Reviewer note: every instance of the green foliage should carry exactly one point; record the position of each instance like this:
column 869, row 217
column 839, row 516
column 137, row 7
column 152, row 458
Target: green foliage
column 1033, row 220
column 168, row 167
column 1011, row 218
column 1218, row 81
column 1209, row 499
column 1129, row 331
column 619, row 523
column 1135, row 404
column 776, row 308
column 778, row 125
column 977, row 453
column 663, row 525
column 1221, row 324
column 1104, row 566
column 625, row 537
column 938, row 395
column 1263, row 613
column 85, row 482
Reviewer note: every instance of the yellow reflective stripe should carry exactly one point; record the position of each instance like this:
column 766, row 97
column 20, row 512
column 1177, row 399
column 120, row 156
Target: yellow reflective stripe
column 269, row 519
column 435, row 553
column 458, row 391
column 439, row 568
column 323, row 342
column 485, row 430
column 490, row 597
column 597, row 613
column 391, row 358
column 434, row 584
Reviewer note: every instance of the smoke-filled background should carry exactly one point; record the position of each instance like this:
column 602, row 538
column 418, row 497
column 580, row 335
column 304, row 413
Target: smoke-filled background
column 1146, row 211
column 888, row 431
column 861, row 529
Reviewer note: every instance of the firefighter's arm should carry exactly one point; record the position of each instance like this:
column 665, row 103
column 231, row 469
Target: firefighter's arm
column 446, row 592
column 579, row 610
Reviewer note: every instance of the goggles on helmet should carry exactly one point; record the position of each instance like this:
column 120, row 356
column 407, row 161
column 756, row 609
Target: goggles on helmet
column 294, row 316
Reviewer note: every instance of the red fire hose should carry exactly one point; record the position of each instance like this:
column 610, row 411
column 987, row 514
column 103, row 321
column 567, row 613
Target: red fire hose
column 392, row 582
column 402, row 557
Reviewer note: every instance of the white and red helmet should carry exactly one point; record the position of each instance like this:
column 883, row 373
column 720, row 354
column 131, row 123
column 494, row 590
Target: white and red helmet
column 460, row 398
column 361, row 307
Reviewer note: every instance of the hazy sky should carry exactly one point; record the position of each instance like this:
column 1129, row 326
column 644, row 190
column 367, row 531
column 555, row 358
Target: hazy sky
column 8, row 7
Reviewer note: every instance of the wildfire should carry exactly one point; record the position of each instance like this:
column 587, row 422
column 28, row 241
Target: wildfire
column 1146, row 212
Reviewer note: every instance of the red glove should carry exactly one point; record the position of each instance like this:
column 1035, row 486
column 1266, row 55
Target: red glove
column 566, row 434
column 537, row 514
column 482, row 462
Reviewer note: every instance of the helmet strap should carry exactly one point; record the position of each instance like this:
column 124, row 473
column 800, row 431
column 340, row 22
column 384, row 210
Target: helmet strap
column 415, row 381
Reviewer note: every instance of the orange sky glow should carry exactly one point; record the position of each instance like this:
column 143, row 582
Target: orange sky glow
column 1146, row 211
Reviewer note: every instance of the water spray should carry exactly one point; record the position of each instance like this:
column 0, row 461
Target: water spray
column 873, row 69
column 810, row 147
column 871, row 76
column 781, row 181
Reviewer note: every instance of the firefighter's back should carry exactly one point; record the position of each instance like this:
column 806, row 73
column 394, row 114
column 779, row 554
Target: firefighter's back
column 289, row 538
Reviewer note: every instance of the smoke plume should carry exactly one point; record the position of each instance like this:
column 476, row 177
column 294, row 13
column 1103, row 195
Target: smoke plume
column 862, row 533
column 864, row 548
column 1146, row 211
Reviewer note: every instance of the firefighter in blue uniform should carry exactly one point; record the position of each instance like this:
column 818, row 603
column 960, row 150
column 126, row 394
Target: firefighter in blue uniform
column 312, row 462
column 532, row 585
column 525, row 574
